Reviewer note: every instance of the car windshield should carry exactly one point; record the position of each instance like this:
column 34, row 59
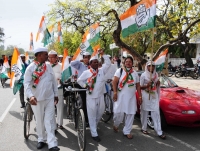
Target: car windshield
column 166, row 82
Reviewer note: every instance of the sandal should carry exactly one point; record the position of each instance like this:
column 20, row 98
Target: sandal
column 145, row 132
column 116, row 130
column 129, row 136
column 163, row 136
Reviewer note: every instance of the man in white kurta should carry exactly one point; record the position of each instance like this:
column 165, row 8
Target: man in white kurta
column 42, row 93
column 150, row 87
column 95, row 96
column 57, row 69
column 125, row 84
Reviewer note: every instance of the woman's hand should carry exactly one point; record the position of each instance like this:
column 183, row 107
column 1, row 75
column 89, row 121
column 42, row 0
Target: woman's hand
column 115, row 97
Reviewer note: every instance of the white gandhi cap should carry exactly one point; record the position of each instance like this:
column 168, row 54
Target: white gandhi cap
column 40, row 49
column 52, row 52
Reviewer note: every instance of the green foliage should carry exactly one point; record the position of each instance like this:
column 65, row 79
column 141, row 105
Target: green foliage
column 9, row 51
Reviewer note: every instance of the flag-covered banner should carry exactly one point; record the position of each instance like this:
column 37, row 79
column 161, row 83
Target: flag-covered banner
column 60, row 39
column 160, row 61
column 17, row 71
column 92, row 34
column 31, row 42
column 139, row 17
column 5, row 72
column 66, row 68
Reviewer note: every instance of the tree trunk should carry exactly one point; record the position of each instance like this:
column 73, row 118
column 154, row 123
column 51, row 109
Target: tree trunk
column 188, row 57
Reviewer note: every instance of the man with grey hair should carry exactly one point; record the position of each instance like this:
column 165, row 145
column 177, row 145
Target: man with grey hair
column 41, row 89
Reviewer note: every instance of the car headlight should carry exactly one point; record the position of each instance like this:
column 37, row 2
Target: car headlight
column 188, row 112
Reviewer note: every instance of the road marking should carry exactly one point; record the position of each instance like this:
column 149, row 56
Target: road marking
column 7, row 109
column 184, row 143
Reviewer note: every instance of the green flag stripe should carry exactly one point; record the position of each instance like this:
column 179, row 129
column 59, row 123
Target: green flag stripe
column 95, row 38
column 66, row 74
column 134, row 28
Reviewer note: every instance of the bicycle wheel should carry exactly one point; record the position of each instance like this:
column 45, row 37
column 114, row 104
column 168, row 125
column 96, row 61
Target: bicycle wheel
column 28, row 114
column 81, row 128
column 108, row 108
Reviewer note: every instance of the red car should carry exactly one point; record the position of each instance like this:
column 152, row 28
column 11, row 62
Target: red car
column 178, row 106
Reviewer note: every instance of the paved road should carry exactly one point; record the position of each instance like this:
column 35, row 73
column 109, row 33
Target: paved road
column 11, row 134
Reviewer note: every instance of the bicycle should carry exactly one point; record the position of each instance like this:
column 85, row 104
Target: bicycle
column 28, row 116
column 75, row 111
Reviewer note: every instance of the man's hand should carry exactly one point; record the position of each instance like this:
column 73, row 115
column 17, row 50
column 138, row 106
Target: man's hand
column 55, row 100
column 33, row 100
column 115, row 97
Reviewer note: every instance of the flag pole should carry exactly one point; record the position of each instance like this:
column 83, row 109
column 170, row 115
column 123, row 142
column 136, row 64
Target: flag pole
column 151, row 58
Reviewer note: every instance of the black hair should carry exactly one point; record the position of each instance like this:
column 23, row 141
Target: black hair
column 86, row 55
column 128, row 57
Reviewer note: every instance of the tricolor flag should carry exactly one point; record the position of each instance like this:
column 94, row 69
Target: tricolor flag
column 31, row 42
column 47, row 37
column 85, row 46
column 66, row 68
column 5, row 72
column 160, row 61
column 51, row 32
column 139, row 17
column 60, row 39
column 42, row 28
column 27, row 59
column 92, row 34
column 95, row 48
column 17, row 71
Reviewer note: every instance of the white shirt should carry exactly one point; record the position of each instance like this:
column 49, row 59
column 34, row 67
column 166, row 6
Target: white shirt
column 57, row 69
column 100, row 81
column 47, row 86
column 110, row 72
column 198, row 60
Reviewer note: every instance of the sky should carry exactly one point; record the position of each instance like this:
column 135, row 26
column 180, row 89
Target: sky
column 21, row 17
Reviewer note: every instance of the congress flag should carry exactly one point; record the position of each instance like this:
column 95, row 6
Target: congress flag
column 160, row 61
column 5, row 73
column 17, row 71
column 92, row 34
column 31, row 42
column 60, row 39
column 42, row 28
column 66, row 68
column 139, row 17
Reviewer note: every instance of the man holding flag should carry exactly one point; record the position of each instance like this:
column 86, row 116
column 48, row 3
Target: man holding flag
column 41, row 89
column 93, row 80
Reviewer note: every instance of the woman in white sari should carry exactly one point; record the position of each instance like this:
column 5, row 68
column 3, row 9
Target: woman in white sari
column 125, row 83
column 150, row 86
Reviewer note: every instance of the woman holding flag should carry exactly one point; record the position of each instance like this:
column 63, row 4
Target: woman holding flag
column 125, row 84
column 150, row 85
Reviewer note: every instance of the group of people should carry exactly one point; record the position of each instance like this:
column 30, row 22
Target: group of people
column 42, row 80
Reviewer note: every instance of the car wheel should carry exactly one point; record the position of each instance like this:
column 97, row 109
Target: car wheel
column 150, row 121
column 163, row 121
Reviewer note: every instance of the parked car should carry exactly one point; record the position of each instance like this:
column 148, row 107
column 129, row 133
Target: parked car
column 178, row 106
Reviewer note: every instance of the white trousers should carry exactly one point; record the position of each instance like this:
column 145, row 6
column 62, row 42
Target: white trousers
column 95, row 110
column 155, row 115
column 60, row 107
column 129, row 118
column 44, row 113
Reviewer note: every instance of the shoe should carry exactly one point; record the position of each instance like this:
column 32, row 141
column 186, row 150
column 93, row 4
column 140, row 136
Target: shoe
column 97, row 139
column 40, row 145
column 54, row 149
column 87, row 125
column 60, row 127
column 23, row 105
